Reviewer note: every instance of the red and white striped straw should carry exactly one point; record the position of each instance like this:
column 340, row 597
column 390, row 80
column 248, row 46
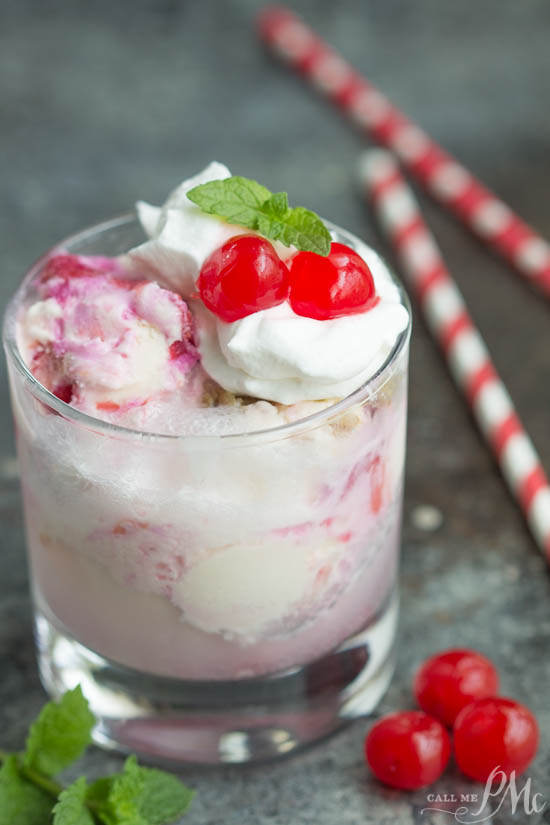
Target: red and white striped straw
column 438, row 172
column 452, row 327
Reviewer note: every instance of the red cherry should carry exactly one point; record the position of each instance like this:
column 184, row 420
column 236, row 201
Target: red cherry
column 449, row 681
column 324, row 288
column 241, row 277
column 408, row 749
column 491, row 733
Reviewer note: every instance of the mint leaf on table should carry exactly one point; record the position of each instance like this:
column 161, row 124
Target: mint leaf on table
column 60, row 734
column 29, row 795
column 21, row 802
column 116, row 798
column 139, row 796
column 247, row 203
column 71, row 808
column 163, row 797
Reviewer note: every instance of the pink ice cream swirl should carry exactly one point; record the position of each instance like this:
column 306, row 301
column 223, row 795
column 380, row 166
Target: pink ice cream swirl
column 102, row 343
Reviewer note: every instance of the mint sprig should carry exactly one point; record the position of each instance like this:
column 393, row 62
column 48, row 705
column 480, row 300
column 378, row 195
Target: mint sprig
column 47, row 751
column 247, row 203
column 21, row 802
column 140, row 796
column 72, row 808
column 29, row 795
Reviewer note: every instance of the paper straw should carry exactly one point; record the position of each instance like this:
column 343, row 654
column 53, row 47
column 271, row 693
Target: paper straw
column 447, row 180
column 451, row 325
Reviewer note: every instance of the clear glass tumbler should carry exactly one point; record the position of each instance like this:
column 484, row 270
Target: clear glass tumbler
column 219, row 599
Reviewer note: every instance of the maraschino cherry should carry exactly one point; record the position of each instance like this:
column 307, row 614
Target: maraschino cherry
column 449, row 681
column 243, row 276
column 408, row 749
column 328, row 287
column 495, row 733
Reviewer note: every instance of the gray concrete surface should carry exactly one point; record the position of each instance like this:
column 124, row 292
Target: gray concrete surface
column 107, row 102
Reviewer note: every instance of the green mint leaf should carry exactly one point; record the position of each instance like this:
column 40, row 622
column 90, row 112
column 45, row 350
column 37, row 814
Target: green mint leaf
column 236, row 199
column 300, row 228
column 117, row 797
column 98, row 791
column 71, row 807
column 247, row 203
column 21, row 803
column 163, row 797
column 276, row 205
column 139, row 796
column 60, row 734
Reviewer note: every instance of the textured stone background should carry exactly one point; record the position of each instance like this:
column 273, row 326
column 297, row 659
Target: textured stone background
column 106, row 102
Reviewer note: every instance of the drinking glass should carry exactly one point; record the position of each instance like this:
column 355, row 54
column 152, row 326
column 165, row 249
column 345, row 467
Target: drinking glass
column 218, row 598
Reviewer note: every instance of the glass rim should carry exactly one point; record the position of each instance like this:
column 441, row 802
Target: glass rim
column 65, row 410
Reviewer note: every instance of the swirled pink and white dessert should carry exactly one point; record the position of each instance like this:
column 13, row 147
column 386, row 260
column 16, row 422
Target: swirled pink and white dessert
column 216, row 491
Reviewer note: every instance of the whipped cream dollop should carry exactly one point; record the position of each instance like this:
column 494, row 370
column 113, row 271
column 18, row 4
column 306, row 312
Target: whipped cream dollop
column 182, row 236
column 273, row 354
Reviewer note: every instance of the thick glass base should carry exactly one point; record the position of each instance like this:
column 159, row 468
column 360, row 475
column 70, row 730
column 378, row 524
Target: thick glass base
column 249, row 720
